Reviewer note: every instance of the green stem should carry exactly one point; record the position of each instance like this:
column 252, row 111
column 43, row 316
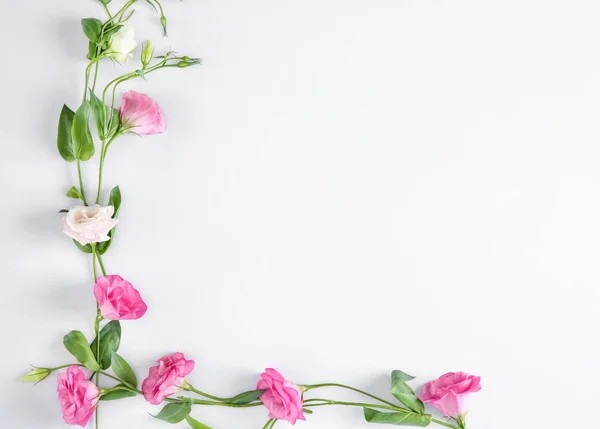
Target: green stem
column 95, row 77
column 97, row 327
column 326, row 402
column 343, row 386
column 268, row 424
column 94, row 261
column 120, row 12
column 82, row 191
column 87, row 74
column 101, row 265
column 212, row 403
column 107, row 10
column 103, row 151
column 206, row 395
column 129, row 387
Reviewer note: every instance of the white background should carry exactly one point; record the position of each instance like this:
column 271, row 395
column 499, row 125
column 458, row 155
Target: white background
column 346, row 187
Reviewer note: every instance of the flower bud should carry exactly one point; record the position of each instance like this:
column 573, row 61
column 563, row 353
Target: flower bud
column 163, row 22
column 36, row 375
column 147, row 53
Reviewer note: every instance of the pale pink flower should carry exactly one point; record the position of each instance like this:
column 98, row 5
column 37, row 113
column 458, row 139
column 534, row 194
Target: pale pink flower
column 449, row 393
column 166, row 378
column 141, row 115
column 118, row 299
column 283, row 398
column 77, row 395
column 89, row 224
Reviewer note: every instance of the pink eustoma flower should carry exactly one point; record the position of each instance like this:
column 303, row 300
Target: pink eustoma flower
column 77, row 395
column 141, row 115
column 118, row 299
column 449, row 393
column 166, row 378
column 282, row 398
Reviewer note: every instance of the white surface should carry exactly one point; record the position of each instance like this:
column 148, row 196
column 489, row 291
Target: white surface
column 346, row 187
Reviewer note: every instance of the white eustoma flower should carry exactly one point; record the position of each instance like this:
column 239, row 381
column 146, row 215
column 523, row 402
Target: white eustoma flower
column 122, row 44
column 89, row 224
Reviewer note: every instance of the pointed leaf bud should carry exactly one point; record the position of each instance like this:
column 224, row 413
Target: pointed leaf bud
column 36, row 375
column 147, row 53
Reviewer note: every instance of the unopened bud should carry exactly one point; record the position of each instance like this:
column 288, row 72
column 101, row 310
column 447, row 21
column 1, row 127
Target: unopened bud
column 163, row 22
column 147, row 53
column 37, row 374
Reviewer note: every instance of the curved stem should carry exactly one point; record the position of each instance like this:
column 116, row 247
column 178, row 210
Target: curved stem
column 206, row 395
column 225, row 404
column 326, row 402
column 268, row 424
column 107, row 10
column 129, row 387
column 82, row 191
column 343, row 386
column 103, row 151
column 101, row 265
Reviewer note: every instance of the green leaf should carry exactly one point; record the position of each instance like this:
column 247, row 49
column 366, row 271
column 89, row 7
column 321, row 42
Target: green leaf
column 63, row 211
column 141, row 74
column 110, row 339
column 113, row 124
column 105, row 2
column 85, row 249
column 74, row 193
column 76, row 343
column 64, row 141
column 80, row 132
column 109, row 31
column 99, row 113
column 195, row 424
column 92, row 51
column 404, row 393
column 398, row 419
column 115, row 201
column 246, row 397
column 175, row 413
column 123, row 371
column 92, row 28
column 118, row 392
column 36, row 375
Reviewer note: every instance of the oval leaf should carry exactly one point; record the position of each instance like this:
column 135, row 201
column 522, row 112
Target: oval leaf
column 246, row 397
column 64, row 141
column 175, row 413
column 398, row 419
column 76, row 343
column 195, row 424
column 99, row 113
column 80, row 133
column 404, row 393
column 92, row 28
column 115, row 201
column 110, row 339
column 117, row 392
column 74, row 193
column 122, row 370
column 85, row 249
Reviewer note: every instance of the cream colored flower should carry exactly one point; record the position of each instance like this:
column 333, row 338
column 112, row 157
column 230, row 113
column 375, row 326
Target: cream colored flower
column 89, row 224
column 122, row 44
